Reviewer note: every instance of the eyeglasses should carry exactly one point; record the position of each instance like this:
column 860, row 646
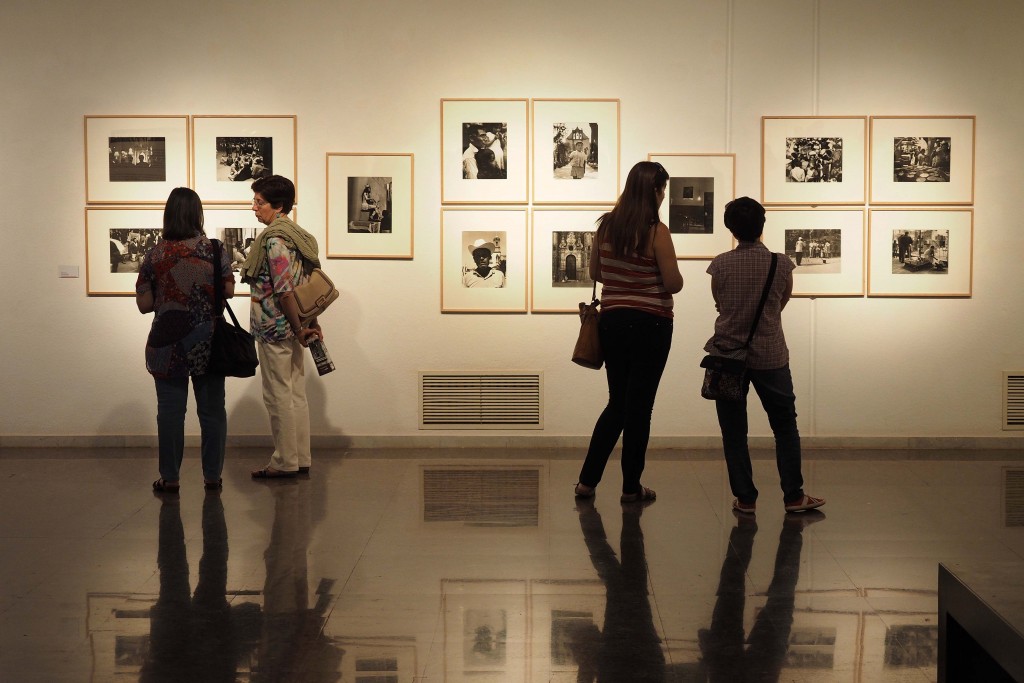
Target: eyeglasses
column 259, row 203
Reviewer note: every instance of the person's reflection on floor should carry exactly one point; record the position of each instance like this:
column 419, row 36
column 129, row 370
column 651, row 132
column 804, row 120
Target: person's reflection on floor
column 292, row 643
column 722, row 646
column 191, row 639
column 628, row 649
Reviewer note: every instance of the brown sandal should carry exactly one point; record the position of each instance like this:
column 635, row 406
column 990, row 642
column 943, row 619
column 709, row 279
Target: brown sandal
column 584, row 491
column 642, row 495
column 164, row 486
column 271, row 473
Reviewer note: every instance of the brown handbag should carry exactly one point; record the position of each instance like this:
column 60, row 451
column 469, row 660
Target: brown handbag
column 315, row 295
column 588, row 345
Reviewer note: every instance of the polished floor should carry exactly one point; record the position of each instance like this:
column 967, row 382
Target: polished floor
column 430, row 566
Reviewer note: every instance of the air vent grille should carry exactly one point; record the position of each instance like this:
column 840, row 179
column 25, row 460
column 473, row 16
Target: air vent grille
column 1013, row 400
column 475, row 400
column 482, row 497
column 1013, row 496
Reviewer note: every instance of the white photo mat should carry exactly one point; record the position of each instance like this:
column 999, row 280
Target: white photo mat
column 832, row 257
column 461, row 227
column 777, row 188
column 281, row 130
column 886, row 277
column 717, row 171
column 170, row 131
column 348, row 235
column 482, row 608
column 958, row 188
column 571, row 258
column 109, row 232
column 458, row 113
column 553, row 185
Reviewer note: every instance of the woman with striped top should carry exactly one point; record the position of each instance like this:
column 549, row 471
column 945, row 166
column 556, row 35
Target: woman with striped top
column 634, row 259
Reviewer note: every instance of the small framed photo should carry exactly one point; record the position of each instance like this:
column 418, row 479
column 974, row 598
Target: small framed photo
column 699, row 187
column 922, row 160
column 135, row 159
column 575, row 151
column 484, row 147
column 369, row 206
column 230, row 152
column 816, row 160
column 116, row 241
column 826, row 245
column 562, row 244
column 483, row 261
column 920, row 252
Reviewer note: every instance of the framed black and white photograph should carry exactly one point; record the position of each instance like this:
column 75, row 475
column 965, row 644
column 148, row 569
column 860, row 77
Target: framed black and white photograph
column 116, row 241
column 922, row 160
column 484, row 147
column 483, row 260
column 575, row 151
column 135, row 159
column 699, row 187
column 562, row 242
column 567, row 620
column 817, row 160
column 825, row 245
column 921, row 252
column 230, row 152
column 370, row 206
column 237, row 229
column 485, row 630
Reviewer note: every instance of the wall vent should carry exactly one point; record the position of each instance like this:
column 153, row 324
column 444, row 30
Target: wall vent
column 1013, row 400
column 1013, row 496
column 481, row 400
column 482, row 497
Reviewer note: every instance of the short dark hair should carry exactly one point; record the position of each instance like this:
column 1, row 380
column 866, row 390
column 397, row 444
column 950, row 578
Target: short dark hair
column 183, row 215
column 745, row 219
column 277, row 190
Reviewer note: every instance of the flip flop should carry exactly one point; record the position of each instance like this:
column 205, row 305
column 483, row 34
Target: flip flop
column 270, row 473
column 214, row 485
column 161, row 486
column 643, row 494
column 584, row 491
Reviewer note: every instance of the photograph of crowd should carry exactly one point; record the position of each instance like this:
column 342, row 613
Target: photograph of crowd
column 691, row 206
column 814, row 160
column 244, row 159
column 129, row 246
column 920, row 160
column 818, row 251
column 369, row 204
column 483, row 151
column 237, row 242
column 920, row 251
column 575, row 151
column 570, row 258
column 483, row 263
column 137, row 160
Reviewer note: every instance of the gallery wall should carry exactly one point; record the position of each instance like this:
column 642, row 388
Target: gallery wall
column 368, row 77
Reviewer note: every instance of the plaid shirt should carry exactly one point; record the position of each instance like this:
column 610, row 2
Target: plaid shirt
column 737, row 280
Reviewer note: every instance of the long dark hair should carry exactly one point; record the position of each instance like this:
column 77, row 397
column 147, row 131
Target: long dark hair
column 636, row 212
column 183, row 215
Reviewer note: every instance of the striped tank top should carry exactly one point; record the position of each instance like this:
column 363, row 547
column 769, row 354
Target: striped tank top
column 633, row 282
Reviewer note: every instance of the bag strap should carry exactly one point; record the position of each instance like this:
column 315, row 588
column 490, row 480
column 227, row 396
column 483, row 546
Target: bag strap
column 219, row 302
column 764, row 298
column 593, row 295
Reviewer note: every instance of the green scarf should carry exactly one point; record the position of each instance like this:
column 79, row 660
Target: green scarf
column 291, row 234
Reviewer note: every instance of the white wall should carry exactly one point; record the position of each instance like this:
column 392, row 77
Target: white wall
column 368, row 76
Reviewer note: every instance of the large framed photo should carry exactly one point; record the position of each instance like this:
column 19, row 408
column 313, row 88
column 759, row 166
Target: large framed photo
column 369, row 206
column 237, row 229
column 116, row 241
column 135, row 159
column 575, row 151
column 699, row 187
column 485, row 630
column 483, row 261
column 825, row 245
column 562, row 244
column 920, row 252
column 230, row 152
column 922, row 160
column 815, row 160
column 484, row 147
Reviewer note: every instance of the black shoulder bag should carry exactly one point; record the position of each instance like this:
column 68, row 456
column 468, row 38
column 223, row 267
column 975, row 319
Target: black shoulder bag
column 232, row 349
column 724, row 378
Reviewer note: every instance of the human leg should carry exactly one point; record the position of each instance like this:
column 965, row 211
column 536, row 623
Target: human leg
column 609, row 424
column 213, row 421
column 171, row 402
column 276, row 375
column 775, row 389
column 732, row 419
column 300, row 407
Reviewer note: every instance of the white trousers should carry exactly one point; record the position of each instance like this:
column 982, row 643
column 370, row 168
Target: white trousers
column 284, row 393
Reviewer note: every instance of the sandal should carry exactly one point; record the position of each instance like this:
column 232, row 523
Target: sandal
column 584, row 491
column 271, row 473
column 643, row 494
column 214, row 485
column 164, row 486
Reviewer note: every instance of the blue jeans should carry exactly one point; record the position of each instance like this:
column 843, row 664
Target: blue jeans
column 636, row 346
column 171, row 402
column 775, row 389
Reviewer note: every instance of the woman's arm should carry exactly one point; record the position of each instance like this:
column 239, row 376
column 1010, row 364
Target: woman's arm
column 145, row 301
column 665, row 255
